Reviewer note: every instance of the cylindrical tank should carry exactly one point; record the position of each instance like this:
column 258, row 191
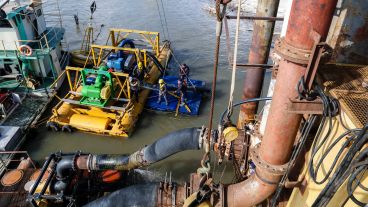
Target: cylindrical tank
column 64, row 109
column 89, row 122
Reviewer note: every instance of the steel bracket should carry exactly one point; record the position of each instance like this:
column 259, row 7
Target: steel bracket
column 297, row 106
column 317, row 52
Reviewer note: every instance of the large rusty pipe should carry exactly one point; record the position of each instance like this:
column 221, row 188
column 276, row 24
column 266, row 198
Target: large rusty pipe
column 281, row 128
column 259, row 52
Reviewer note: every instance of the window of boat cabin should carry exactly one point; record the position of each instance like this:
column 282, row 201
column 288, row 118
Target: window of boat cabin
column 4, row 23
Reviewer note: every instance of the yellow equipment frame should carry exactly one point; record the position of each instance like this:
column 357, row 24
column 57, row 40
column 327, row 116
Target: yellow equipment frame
column 97, row 53
column 123, row 118
column 124, row 85
column 117, row 35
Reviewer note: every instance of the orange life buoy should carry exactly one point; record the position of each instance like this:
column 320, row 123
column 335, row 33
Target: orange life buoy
column 25, row 50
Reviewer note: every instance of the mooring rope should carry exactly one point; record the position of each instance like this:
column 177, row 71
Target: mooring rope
column 232, row 88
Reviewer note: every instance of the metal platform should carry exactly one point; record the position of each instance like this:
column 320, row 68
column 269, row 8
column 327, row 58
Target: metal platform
column 345, row 82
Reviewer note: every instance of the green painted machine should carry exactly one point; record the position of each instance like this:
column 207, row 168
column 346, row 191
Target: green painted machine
column 98, row 86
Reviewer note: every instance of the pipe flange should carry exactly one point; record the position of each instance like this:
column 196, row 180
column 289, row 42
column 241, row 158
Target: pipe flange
column 74, row 160
column 260, row 163
column 291, row 53
column 256, row 131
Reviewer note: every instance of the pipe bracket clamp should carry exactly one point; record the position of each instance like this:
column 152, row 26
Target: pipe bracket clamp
column 291, row 53
column 259, row 162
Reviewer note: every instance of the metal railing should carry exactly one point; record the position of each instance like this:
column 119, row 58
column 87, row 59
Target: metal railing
column 7, row 158
column 10, row 48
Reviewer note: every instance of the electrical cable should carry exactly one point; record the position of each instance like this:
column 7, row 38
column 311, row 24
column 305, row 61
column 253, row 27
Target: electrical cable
column 303, row 138
column 243, row 102
column 360, row 165
column 341, row 173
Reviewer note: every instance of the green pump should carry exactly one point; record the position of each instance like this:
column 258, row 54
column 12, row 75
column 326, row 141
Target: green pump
column 99, row 92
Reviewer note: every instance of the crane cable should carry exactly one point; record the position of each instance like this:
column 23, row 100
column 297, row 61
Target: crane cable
column 232, row 87
column 167, row 28
column 220, row 14
column 162, row 25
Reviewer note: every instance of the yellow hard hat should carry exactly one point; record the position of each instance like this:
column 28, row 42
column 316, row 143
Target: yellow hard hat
column 140, row 65
column 161, row 81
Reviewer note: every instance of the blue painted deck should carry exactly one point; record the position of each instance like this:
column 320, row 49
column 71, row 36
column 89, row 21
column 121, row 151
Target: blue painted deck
column 193, row 99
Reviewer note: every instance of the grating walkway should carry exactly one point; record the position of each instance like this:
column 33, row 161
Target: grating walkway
column 344, row 82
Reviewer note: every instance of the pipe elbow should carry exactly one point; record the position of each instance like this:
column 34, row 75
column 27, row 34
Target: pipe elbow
column 64, row 166
column 252, row 191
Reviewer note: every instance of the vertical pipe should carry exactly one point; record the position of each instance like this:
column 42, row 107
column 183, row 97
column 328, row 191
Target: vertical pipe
column 276, row 58
column 281, row 128
column 259, row 52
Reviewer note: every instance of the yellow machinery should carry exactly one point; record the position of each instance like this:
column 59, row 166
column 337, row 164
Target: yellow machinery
column 353, row 98
column 118, row 111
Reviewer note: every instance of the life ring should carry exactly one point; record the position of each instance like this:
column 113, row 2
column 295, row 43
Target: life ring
column 25, row 50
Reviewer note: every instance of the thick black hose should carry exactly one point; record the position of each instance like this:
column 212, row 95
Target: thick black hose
column 137, row 195
column 156, row 62
column 178, row 141
column 185, row 139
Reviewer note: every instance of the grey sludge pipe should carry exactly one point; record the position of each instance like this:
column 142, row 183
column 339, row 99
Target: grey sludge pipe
column 185, row 139
column 138, row 195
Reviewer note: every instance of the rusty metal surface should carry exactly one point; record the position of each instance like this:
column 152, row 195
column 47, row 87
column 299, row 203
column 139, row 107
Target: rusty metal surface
column 345, row 83
column 35, row 175
column 306, row 16
column 349, row 34
column 260, row 163
column 305, row 107
column 291, row 53
column 15, row 195
column 303, row 21
column 11, row 177
column 258, row 54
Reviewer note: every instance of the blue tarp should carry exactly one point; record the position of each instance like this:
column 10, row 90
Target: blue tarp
column 193, row 98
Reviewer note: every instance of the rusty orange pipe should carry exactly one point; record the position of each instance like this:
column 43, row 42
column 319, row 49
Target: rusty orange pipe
column 258, row 54
column 282, row 127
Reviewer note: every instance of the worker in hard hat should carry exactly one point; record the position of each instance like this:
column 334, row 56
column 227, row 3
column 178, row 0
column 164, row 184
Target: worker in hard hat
column 162, row 91
column 182, row 90
column 139, row 71
column 184, row 72
column 134, row 88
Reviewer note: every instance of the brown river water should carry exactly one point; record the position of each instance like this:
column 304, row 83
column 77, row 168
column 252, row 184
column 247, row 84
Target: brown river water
column 192, row 33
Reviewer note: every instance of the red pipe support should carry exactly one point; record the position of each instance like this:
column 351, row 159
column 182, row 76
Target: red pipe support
column 259, row 52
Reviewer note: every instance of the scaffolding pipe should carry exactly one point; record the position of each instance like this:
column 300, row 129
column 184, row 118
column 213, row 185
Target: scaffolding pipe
column 259, row 52
column 281, row 129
